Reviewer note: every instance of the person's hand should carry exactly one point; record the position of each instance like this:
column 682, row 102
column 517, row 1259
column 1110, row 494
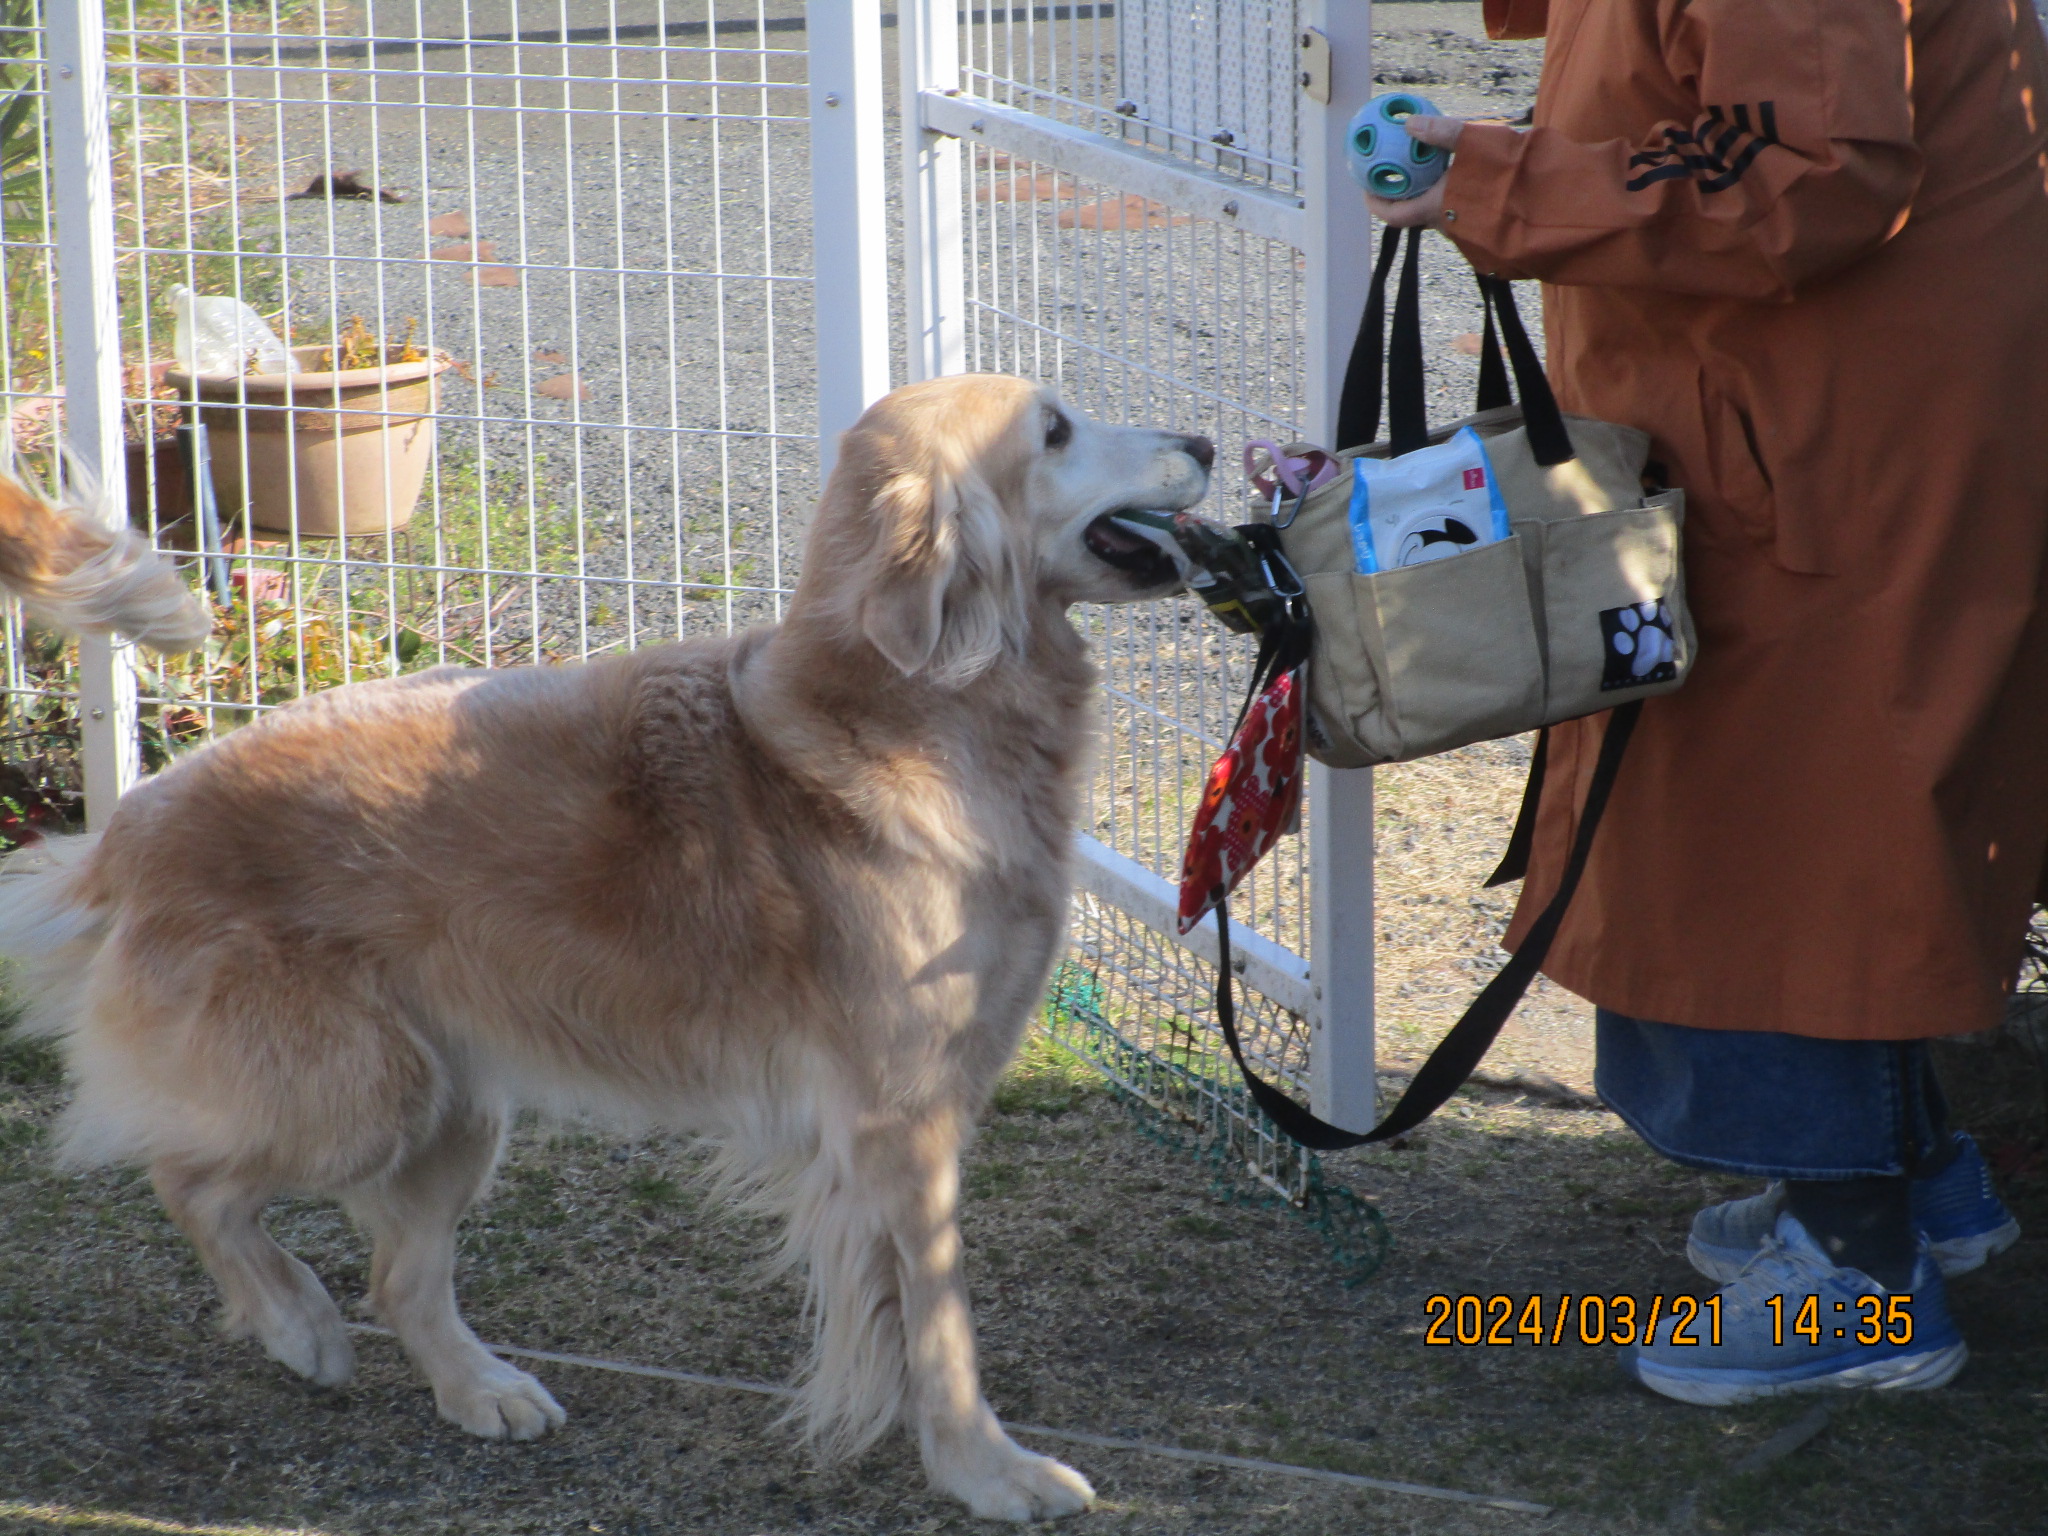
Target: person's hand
column 1425, row 209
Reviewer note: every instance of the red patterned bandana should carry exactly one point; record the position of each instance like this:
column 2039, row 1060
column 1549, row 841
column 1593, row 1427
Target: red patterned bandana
column 1253, row 795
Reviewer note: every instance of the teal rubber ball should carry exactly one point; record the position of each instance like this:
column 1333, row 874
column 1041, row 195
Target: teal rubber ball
column 1383, row 159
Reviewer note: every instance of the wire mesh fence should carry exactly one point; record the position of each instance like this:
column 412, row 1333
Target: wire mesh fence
column 545, row 271
column 1143, row 311
column 39, row 781
column 1208, row 81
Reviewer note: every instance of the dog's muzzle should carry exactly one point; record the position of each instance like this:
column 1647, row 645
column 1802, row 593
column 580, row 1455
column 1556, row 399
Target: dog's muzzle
column 1133, row 551
column 1240, row 574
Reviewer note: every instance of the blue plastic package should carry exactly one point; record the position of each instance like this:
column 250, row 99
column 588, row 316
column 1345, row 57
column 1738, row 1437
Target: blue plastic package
column 1427, row 505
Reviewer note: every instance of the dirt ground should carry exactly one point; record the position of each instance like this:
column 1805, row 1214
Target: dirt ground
column 1116, row 1295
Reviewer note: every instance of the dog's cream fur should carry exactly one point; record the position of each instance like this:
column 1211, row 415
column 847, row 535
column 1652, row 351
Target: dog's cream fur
column 797, row 890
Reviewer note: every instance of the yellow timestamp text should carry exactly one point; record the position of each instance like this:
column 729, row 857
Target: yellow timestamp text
column 1568, row 1318
column 1866, row 1320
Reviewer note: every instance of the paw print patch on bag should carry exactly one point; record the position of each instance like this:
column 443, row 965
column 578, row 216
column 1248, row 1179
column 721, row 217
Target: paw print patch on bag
column 1637, row 645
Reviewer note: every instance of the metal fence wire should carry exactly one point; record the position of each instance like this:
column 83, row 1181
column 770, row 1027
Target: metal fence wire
column 1142, row 310
column 547, row 271
column 591, row 238
column 1138, row 312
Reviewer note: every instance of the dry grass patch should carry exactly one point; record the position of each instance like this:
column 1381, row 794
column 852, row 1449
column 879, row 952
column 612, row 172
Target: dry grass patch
column 1117, row 1294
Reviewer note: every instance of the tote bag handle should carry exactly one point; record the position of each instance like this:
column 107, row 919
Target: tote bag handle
column 1398, row 353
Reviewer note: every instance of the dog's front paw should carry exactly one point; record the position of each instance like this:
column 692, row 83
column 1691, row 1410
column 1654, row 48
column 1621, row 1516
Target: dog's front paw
column 300, row 1329
column 502, row 1404
column 1007, row 1482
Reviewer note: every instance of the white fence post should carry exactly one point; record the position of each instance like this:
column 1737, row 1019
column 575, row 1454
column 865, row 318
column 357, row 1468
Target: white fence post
column 1343, row 1087
column 849, row 231
column 934, row 288
column 81, row 178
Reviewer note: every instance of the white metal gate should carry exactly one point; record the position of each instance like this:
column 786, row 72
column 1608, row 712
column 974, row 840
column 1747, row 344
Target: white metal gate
column 651, row 237
column 1140, row 202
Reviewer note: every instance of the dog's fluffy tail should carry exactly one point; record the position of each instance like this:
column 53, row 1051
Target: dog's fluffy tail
column 49, row 930
column 75, row 571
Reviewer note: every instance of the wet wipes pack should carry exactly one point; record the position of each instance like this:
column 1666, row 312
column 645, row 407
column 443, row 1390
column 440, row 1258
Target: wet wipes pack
column 1427, row 505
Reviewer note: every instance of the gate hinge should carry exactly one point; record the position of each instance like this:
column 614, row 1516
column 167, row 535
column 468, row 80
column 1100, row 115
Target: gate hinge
column 1314, row 73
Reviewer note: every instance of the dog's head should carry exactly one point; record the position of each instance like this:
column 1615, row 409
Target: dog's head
column 960, row 506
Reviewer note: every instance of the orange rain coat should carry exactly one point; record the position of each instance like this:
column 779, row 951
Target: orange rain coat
column 1804, row 244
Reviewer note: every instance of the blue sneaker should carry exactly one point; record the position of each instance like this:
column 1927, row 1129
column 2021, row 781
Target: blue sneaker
column 1957, row 1210
column 1854, row 1335
column 1965, row 1221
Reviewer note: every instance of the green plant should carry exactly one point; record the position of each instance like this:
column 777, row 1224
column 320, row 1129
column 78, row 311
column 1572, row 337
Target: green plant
column 357, row 346
column 21, row 124
column 42, row 781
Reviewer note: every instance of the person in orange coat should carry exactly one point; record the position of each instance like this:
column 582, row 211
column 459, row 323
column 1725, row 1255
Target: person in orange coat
column 1804, row 244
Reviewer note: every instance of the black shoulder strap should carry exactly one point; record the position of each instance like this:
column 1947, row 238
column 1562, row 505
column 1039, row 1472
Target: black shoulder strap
column 1548, row 440
column 1514, row 863
column 1407, row 409
column 1460, row 1051
column 1493, row 373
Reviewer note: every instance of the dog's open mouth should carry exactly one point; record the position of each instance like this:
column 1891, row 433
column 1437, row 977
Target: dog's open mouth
column 1118, row 544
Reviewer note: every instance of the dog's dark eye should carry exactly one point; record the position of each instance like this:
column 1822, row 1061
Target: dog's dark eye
column 1058, row 430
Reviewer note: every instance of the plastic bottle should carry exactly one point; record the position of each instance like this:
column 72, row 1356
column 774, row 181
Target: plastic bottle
column 214, row 333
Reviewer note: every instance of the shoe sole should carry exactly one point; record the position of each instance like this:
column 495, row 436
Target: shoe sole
column 1720, row 1389
column 1957, row 1256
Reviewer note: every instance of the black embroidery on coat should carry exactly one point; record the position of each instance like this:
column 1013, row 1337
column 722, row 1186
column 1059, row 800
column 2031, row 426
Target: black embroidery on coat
column 1715, row 151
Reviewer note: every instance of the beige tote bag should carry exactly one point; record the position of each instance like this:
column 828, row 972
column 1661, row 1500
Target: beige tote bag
column 1522, row 632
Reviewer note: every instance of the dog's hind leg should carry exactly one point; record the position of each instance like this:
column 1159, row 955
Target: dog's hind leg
column 411, row 1216
column 271, row 1297
column 909, row 1175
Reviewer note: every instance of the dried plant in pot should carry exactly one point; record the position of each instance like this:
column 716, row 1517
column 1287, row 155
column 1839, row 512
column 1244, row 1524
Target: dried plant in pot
column 339, row 447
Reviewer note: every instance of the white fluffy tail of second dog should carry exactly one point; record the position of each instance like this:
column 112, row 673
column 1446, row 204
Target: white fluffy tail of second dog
column 48, row 931
column 76, row 571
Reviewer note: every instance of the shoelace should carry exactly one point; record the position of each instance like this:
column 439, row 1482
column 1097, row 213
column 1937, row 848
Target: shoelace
column 1749, row 1288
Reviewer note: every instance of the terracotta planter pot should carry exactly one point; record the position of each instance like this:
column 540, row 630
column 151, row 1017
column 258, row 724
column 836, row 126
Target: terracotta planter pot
column 325, row 453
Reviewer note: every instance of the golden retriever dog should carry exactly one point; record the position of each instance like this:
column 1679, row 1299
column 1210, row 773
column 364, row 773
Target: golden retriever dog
column 797, row 890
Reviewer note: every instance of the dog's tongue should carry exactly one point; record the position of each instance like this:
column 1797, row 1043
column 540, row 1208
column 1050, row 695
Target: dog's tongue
column 1181, row 536
column 1113, row 535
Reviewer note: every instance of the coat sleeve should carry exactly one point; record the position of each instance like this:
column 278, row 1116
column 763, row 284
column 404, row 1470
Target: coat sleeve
column 1797, row 158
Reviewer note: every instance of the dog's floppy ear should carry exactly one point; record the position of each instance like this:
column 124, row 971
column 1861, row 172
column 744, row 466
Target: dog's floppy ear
column 944, row 595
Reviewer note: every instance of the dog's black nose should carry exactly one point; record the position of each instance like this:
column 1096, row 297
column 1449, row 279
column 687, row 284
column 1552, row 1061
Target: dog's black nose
column 1201, row 450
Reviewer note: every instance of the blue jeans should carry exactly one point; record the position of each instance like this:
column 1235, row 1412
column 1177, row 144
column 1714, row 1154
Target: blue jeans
column 1769, row 1105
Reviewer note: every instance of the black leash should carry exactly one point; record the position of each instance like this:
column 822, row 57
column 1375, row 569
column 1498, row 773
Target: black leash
column 1397, row 351
column 1459, row 1053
